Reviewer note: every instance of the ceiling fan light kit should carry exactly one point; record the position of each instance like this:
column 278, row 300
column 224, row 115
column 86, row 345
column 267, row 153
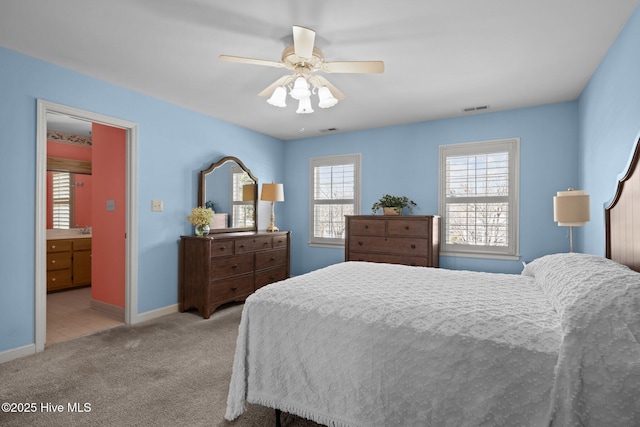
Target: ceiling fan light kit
column 303, row 58
column 279, row 97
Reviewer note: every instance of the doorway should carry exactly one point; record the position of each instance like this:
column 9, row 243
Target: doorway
column 130, row 228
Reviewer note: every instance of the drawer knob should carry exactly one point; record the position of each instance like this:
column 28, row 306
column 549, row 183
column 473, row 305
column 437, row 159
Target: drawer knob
column 360, row 243
column 53, row 280
column 234, row 289
column 413, row 246
column 366, row 227
column 242, row 245
column 53, row 246
column 273, row 258
column 53, row 261
column 406, row 227
column 234, row 266
column 222, row 248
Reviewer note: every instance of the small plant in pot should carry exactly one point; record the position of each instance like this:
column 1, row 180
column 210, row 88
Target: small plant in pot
column 393, row 205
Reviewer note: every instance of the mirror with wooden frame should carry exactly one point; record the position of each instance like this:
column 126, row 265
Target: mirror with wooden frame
column 230, row 189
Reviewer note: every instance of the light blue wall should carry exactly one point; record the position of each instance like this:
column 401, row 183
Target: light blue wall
column 173, row 145
column 609, row 125
column 404, row 160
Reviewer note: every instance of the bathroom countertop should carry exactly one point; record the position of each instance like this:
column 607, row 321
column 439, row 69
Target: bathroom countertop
column 74, row 233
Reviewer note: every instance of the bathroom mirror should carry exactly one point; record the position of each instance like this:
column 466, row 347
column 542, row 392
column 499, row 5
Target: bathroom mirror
column 231, row 190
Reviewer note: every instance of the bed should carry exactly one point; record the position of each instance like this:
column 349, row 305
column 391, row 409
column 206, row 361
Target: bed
column 366, row 344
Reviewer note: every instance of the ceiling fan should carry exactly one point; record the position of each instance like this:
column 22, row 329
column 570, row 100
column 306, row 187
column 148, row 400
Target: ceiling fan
column 304, row 59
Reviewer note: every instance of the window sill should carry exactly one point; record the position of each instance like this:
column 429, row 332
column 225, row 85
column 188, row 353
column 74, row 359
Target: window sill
column 481, row 255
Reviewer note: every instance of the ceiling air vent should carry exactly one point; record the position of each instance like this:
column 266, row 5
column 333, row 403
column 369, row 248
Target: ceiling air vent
column 478, row 108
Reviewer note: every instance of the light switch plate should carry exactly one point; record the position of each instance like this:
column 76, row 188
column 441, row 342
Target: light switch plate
column 111, row 205
column 156, row 206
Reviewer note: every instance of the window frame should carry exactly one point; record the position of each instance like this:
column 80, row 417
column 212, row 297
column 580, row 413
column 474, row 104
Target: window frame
column 512, row 250
column 356, row 160
column 237, row 204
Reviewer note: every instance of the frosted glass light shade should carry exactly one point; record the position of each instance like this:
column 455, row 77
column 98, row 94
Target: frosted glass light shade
column 300, row 89
column 278, row 98
column 327, row 99
column 571, row 208
column 304, row 106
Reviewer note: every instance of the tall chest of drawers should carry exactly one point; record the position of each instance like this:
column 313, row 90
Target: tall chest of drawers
column 410, row 240
column 227, row 267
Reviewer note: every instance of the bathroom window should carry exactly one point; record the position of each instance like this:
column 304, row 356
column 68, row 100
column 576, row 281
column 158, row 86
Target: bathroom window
column 62, row 200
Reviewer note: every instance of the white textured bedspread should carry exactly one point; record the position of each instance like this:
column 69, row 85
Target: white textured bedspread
column 365, row 344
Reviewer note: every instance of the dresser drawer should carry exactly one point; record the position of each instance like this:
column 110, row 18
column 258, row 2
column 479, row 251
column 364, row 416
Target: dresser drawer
column 221, row 247
column 229, row 289
column 280, row 242
column 253, row 244
column 407, row 228
column 395, row 245
column 269, row 276
column 58, row 260
column 389, row 259
column 58, row 245
column 58, row 279
column 231, row 266
column 271, row 259
column 363, row 227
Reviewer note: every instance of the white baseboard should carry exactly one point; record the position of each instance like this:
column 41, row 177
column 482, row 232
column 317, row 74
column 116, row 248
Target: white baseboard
column 152, row 314
column 16, row 353
column 111, row 310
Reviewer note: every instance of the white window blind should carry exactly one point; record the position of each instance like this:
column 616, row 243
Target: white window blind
column 61, row 200
column 335, row 192
column 479, row 198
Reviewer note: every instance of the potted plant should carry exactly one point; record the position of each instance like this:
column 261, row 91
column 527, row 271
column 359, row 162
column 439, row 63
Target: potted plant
column 201, row 219
column 393, row 205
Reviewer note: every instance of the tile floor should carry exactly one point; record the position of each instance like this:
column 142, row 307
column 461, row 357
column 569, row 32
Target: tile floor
column 69, row 316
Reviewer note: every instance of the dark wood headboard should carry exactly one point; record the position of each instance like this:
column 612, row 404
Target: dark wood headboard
column 622, row 217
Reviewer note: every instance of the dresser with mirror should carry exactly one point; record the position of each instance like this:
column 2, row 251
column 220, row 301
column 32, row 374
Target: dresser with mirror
column 235, row 259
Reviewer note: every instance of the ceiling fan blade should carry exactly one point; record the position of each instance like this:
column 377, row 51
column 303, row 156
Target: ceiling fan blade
column 303, row 41
column 363, row 67
column 253, row 61
column 321, row 81
column 280, row 82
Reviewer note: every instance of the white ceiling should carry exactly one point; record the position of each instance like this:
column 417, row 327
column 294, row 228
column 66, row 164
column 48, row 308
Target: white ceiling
column 440, row 56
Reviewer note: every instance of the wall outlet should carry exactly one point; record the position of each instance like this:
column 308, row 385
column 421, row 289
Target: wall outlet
column 156, row 205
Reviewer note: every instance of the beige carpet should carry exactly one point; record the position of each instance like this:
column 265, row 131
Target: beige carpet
column 174, row 370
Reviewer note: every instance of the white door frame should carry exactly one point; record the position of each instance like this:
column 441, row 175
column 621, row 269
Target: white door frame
column 131, row 245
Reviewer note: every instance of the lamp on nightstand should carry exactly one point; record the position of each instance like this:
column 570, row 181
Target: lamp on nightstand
column 571, row 209
column 272, row 193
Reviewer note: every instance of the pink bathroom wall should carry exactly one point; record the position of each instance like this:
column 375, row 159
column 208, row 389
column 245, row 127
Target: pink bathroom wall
column 82, row 193
column 109, row 225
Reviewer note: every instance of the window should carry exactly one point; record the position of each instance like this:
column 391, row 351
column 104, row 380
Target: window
column 335, row 192
column 479, row 184
column 61, row 200
column 243, row 211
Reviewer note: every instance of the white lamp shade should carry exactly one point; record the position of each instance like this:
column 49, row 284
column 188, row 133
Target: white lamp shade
column 327, row 99
column 278, row 98
column 272, row 192
column 571, row 208
column 300, row 89
column 304, row 106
